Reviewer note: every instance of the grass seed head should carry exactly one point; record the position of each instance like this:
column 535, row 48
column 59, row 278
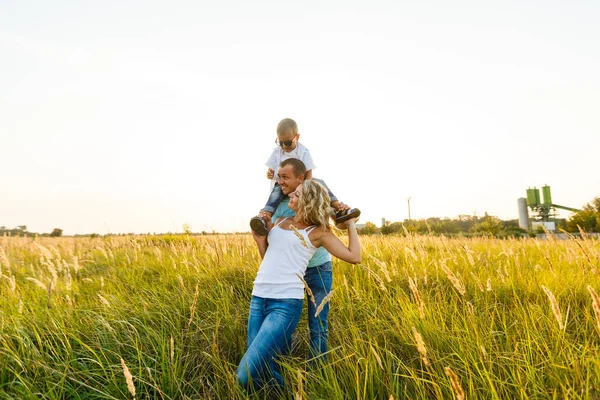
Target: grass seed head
column 456, row 386
column 595, row 305
column 420, row 345
column 555, row 307
column 128, row 378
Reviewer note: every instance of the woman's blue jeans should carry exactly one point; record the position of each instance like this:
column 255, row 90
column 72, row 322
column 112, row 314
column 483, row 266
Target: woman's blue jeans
column 270, row 327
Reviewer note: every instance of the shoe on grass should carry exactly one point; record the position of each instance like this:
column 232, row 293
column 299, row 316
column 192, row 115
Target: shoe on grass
column 259, row 225
column 345, row 215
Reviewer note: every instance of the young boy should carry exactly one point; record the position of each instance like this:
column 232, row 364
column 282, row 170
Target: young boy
column 290, row 147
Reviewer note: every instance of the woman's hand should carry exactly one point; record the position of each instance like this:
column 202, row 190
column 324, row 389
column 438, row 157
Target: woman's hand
column 270, row 173
column 346, row 224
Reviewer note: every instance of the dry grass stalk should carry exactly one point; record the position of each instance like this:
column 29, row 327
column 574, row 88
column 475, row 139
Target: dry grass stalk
column 4, row 259
column 500, row 274
column 470, row 308
column 420, row 345
column 193, row 307
column 383, row 267
column 326, row 300
column 483, row 352
column 310, row 293
column 376, row 277
column 415, row 291
column 376, row 357
column 69, row 281
column 456, row 282
column 103, row 300
column 300, row 386
column 489, row 285
column 456, row 386
column 172, row 345
column 479, row 285
column 299, row 235
column 76, row 266
column 37, row 283
column 180, row 279
column 555, row 307
column 411, row 253
column 595, row 305
column 128, row 378
column 12, row 283
column 44, row 251
column 470, row 256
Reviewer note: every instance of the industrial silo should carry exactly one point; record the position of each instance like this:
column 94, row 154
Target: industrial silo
column 523, row 213
column 547, row 195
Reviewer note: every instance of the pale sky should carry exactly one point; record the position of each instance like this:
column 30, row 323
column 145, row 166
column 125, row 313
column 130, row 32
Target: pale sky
column 141, row 116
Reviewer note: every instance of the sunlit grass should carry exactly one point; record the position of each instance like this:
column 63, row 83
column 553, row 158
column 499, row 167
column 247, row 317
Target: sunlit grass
column 421, row 317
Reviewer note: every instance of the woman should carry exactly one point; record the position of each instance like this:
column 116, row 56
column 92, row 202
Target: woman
column 278, row 292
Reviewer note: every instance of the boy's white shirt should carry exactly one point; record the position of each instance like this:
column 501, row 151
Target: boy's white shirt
column 300, row 152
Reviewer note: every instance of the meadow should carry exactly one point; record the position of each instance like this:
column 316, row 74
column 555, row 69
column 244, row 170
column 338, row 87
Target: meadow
column 420, row 317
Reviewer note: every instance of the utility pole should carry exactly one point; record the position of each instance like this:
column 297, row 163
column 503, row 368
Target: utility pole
column 408, row 200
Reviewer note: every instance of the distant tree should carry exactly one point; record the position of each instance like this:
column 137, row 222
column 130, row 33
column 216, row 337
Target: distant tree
column 56, row 232
column 369, row 229
column 488, row 224
column 394, row 227
column 588, row 218
column 22, row 228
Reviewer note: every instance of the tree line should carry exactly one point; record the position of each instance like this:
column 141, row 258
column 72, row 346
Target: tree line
column 587, row 220
column 21, row 230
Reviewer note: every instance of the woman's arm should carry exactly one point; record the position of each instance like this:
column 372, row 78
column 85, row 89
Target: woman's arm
column 261, row 241
column 336, row 247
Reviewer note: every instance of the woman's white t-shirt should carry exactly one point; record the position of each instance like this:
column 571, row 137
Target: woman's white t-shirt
column 286, row 259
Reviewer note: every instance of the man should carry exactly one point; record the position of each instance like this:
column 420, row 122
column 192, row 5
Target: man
column 292, row 173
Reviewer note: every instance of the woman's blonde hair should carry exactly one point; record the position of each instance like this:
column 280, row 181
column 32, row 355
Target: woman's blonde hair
column 314, row 205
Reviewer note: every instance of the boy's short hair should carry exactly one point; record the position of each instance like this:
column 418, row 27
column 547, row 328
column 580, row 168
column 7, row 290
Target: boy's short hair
column 286, row 124
column 297, row 166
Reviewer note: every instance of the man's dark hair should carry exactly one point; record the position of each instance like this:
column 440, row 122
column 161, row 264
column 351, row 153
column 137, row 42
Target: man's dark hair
column 298, row 166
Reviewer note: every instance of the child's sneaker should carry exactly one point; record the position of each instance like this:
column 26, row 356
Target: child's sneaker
column 345, row 215
column 259, row 225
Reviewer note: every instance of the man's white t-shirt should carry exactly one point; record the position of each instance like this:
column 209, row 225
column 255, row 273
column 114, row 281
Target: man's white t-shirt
column 300, row 152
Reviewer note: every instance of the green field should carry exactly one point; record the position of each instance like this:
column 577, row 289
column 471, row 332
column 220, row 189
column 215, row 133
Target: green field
column 421, row 317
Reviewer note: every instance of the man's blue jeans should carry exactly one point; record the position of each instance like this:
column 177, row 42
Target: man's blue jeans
column 319, row 280
column 270, row 327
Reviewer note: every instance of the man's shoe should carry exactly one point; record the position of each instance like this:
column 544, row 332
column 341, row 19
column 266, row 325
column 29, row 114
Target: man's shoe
column 259, row 225
column 345, row 215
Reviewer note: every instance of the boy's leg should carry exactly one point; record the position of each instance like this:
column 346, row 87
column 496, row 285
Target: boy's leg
column 319, row 280
column 274, row 199
column 259, row 223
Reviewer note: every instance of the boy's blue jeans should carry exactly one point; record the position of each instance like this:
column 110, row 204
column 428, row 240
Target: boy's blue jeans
column 319, row 280
column 270, row 327
column 277, row 195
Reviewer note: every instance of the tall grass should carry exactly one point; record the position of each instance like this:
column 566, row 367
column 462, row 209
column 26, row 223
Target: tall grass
column 422, row 317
